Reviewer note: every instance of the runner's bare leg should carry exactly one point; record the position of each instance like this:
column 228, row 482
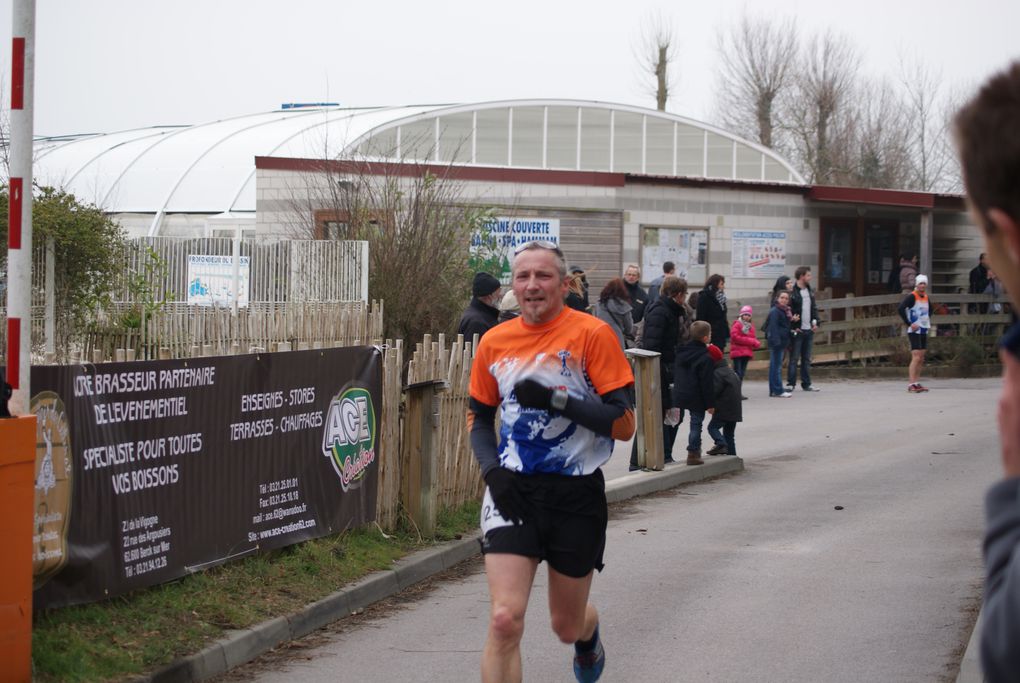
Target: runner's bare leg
column 573, row 617
column 510, row 578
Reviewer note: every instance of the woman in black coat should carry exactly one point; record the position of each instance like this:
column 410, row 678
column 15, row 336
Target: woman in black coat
column 712, row 309
column 666, row 323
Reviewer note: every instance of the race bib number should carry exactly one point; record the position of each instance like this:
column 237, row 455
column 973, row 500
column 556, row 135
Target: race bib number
column 491, row 519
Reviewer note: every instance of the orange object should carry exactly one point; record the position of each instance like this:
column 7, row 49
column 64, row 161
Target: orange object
column 17, row 486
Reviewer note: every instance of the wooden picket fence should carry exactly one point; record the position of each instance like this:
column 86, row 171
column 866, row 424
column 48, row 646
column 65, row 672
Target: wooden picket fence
column 179, row 331
column 387, row 508
column 459, row 476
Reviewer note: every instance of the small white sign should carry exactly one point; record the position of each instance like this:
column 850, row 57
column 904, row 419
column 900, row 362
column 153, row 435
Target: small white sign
column 211, row 280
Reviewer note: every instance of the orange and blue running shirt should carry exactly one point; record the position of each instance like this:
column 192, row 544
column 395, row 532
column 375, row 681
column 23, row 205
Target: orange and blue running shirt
column 919, row 313
column 576, row 352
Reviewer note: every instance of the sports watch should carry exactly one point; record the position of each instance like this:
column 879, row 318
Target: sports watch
column 559, row 399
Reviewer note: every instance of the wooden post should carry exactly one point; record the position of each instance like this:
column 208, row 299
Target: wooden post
column 850, row 335
column 419, row 485
column 648, row 410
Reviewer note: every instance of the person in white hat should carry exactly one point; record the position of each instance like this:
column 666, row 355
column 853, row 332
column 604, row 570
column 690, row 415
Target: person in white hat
column 916, row 310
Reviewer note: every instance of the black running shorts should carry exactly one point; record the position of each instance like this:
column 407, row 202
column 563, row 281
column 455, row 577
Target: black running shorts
column 565, row 524
column 918, row 342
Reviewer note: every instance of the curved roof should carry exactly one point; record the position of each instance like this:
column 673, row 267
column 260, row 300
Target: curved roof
column 209, row 168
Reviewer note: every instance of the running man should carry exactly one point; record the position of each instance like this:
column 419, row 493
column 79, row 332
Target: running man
column 915, row 309
column 561, row 382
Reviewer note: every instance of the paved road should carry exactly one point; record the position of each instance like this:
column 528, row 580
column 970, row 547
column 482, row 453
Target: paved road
column 756, row 576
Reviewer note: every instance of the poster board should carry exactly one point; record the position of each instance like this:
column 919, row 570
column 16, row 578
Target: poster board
column 211, row 280
column 687, row 248
column 758, row 253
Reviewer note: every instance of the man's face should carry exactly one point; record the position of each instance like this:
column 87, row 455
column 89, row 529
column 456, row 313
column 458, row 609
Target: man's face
column 921, row 287
column 494, row 298
column 632, row 275
column 805, row 279
column 538, row 285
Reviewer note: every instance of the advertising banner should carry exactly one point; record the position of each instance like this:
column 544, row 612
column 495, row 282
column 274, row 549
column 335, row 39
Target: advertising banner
column 758, row 253
column 147, row 471
column 492, row 247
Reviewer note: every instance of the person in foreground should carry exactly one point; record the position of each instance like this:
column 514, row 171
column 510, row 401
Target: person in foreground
column 563, row 387
column 988, row 138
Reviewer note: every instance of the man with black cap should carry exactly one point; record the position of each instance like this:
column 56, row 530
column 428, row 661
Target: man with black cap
column 483, row 311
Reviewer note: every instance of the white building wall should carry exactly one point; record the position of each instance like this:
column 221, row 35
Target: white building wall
column 281, row 194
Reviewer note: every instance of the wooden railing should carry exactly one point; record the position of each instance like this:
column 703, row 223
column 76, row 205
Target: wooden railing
column 858, row 328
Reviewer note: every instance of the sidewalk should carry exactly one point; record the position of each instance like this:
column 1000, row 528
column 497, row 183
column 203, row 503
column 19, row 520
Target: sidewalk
column 245, row 645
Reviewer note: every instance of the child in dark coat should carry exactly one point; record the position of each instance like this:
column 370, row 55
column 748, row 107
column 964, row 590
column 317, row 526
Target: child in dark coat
column 693, row 388
column 728, row 412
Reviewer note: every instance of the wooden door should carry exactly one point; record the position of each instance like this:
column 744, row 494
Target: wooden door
column 838, row 257
column 881, row 255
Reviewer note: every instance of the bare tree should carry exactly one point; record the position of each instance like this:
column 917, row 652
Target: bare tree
column 820, row 103
column 757, row 58
column 876, row 149
column 930, row 111
column 656, row 51
column 419, row 229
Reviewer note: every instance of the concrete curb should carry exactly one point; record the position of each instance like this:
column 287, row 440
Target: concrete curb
column 239, row 647
column 970, row 665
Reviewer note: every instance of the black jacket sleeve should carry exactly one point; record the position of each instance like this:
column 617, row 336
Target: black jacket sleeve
column 483, row 435
column 906, row 305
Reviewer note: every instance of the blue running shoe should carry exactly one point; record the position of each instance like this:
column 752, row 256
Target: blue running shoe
column 588, row 666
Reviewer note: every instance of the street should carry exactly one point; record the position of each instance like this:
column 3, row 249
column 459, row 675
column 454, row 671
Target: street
column 849, row 550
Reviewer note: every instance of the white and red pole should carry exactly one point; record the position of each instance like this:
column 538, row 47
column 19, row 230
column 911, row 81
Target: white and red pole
column 19, row 219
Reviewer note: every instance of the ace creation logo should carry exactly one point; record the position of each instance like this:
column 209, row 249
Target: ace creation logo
column 348, row 439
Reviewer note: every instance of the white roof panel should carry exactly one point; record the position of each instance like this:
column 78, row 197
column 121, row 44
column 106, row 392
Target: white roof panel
column 210, row 168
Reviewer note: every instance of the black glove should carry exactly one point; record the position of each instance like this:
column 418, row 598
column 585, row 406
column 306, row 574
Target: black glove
column 509, row 502
column 532, row 394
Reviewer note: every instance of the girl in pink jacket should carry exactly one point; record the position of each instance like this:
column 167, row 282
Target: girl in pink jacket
column 743, row 342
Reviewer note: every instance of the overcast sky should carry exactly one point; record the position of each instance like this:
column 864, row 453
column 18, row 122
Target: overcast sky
column 106, row 65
